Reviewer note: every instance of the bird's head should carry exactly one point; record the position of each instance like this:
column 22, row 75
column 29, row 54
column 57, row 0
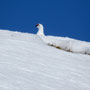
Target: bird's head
column 39, row 26
column 40, row 29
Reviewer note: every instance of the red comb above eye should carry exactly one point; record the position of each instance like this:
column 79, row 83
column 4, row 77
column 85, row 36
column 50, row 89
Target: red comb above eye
column 37, row 24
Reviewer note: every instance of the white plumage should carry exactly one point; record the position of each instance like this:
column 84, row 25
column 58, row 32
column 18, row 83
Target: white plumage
column 64, row 43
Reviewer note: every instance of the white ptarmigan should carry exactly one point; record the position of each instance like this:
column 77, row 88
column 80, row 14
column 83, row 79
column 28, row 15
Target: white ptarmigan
column 41, row 29
column 64, row 43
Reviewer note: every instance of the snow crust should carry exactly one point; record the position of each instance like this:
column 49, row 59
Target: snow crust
column 27, row 63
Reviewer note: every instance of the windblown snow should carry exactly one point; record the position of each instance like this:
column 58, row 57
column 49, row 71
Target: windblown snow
column 28, row 63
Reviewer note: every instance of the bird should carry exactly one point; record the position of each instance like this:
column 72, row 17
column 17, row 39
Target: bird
column 64, row 43
column 41, row 29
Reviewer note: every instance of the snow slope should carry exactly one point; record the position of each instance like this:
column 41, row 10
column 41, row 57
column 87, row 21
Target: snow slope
column 27, row 63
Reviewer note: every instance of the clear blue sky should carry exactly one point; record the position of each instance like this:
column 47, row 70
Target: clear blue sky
column 69, row 18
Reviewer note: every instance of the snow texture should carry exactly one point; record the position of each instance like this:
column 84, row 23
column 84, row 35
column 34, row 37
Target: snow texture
column 27, row 63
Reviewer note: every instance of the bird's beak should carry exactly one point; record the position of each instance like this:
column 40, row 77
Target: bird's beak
column 36, row 25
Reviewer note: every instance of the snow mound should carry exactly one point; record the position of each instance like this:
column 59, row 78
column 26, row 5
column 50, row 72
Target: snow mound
column 27, row 63
column 68, row 44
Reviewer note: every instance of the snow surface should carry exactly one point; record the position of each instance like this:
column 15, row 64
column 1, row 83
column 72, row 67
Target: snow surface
column 27, row 63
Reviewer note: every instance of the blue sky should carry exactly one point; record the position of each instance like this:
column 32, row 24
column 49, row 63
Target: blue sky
column 70, row 18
